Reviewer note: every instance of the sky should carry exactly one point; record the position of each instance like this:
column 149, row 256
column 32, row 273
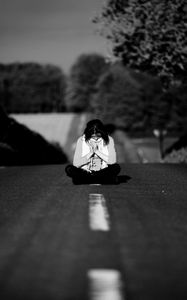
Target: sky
column 49, row 31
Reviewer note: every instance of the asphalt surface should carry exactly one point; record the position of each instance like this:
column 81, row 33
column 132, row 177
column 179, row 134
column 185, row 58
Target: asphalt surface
column 47, row 247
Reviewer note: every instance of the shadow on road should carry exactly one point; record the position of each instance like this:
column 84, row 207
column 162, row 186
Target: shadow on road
column 120, row 179
column 123, row 178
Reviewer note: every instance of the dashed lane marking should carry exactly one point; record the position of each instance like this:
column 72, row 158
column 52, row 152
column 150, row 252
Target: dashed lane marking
column 105, row 284
column 98, row 213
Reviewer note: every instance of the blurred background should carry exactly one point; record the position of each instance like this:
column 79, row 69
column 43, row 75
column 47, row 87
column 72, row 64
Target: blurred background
column 64, row 62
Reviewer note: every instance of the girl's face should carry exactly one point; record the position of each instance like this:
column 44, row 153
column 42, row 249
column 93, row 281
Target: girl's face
column 96, row 136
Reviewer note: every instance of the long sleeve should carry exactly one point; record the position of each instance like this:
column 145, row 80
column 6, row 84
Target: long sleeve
column 78, row 160
column 111, row 157
column 112, row 152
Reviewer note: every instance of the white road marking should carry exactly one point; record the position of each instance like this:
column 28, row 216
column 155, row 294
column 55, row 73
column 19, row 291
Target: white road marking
column 98, row 213
column 105, row 284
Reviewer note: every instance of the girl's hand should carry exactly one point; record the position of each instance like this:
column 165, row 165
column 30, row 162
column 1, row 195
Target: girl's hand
column 93, row 147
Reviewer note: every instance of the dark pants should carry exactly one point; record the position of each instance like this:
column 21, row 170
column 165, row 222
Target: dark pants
column 105, row 175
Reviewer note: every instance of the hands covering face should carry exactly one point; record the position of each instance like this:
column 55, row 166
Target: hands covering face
column 93, row 147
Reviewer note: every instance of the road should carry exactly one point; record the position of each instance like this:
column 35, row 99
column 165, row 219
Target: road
column 49, row 248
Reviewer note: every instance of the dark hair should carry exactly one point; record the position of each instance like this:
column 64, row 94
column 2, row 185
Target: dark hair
column 96, row 126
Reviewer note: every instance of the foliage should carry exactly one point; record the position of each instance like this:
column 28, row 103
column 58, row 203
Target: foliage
column 31, row 87
column 180, row 143
column 84, row 75
column 117, row 99
column 153, row 101
column 178, row 100
column 148, row 35
column 125, row 98
column 177, row 156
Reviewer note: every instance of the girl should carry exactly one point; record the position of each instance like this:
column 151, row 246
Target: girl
column 95, row 156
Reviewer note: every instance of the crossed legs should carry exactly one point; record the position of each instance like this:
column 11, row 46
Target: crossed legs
column 106, row 175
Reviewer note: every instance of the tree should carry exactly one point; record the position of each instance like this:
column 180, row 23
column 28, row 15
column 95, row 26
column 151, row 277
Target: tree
column 31, row 87
column 118, row 99
column 148, row 36
column 51, row 85
column 128, row 99
column 84, row 75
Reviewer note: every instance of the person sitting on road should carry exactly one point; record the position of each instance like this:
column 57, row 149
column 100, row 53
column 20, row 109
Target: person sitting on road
column 95, row 156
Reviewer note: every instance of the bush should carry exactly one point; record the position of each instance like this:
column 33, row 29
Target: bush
column 21, row 146
column 177, row 156
column 8, row 155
